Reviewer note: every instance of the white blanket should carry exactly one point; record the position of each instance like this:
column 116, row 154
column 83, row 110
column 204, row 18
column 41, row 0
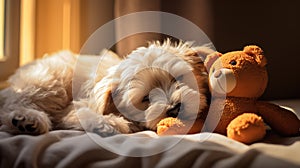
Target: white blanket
column 78, row 149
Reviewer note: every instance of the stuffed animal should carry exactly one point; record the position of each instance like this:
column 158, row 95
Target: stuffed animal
column 236, row 80
column 175, row 126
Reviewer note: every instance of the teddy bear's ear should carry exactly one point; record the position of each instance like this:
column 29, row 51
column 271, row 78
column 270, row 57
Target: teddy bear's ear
column 257, row 53
column 210, row 59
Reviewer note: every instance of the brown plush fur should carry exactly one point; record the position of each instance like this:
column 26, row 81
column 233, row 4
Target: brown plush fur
column 236, row 80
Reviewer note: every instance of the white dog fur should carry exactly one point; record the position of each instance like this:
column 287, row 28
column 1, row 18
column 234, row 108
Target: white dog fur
column 107, row 94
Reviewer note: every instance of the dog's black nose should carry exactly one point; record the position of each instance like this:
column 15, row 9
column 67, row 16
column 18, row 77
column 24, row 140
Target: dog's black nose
column 174, row 111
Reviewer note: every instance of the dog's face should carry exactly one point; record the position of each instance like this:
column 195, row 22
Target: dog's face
column 157, row 82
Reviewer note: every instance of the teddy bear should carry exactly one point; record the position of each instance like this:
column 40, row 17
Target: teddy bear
column 236, row 80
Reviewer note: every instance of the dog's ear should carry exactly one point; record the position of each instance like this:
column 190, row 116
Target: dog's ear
column 210, row 59
column 196, row 56
column 108, row 105
column 102, row 99
column 201, row 51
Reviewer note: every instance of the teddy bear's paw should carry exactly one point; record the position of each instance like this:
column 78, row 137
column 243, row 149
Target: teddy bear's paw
column 175, row 126
column 246, row 128
column 169, row 126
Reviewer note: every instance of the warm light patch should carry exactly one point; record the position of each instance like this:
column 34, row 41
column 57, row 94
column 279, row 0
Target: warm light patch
column 2, row 10
column 27, row 38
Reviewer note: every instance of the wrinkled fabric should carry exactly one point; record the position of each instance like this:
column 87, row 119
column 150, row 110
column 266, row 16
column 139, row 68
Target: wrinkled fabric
column 66, row 148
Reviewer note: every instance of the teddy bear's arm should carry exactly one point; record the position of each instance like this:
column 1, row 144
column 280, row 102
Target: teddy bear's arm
column 281, row 120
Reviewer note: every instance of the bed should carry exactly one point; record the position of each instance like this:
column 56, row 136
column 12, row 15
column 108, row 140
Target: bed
column 69, row 148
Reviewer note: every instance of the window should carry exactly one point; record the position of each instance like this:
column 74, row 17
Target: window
column 2, row 20
column 31, row 28
column 9, row 45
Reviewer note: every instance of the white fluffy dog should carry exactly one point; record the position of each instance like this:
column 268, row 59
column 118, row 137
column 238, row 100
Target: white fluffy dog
column 107, row 94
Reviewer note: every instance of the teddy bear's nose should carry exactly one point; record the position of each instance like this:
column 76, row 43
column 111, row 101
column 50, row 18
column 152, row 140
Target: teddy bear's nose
column 217, row 73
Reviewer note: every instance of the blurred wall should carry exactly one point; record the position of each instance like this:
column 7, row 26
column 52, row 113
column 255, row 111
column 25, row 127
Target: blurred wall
column 274, row 26
column 230, row 24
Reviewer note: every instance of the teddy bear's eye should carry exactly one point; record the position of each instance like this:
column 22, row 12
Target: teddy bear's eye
column 233, row 62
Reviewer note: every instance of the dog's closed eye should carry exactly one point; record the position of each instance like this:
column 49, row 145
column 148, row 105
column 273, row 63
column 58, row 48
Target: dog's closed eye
column 146, row 99
column 179, row 78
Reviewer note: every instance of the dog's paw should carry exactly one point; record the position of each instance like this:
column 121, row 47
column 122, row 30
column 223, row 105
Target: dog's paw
column 105, row 130
column 25, row 125
column 27, row 122
column 96, row 123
